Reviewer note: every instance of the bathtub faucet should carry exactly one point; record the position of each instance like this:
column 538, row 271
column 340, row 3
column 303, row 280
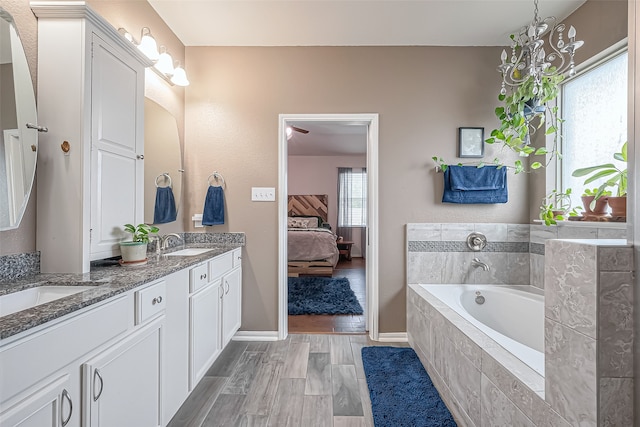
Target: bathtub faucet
column 477, row 263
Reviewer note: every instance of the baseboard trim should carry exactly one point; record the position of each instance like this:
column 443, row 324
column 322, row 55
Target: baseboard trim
column 393, row 337
column 256, row 336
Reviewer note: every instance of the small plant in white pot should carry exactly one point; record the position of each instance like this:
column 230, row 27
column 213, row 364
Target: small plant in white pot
column 135, row 251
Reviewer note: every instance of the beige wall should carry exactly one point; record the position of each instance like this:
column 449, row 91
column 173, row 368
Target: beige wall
column 422, row 95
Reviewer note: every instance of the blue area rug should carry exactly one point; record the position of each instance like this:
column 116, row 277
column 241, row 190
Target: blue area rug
column 401, row 391
column 322, row 295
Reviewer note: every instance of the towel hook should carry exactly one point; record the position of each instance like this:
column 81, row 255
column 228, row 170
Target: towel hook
column 166, row 176
column 217, row 178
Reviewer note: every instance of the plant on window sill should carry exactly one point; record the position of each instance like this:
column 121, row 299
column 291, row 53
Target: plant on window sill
column 525, row 111
column 616, row 178
column 556, row 206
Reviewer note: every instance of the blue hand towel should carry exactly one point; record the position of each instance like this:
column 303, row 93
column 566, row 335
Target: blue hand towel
column 165, row 208
column 213, row 213
column 472, row 185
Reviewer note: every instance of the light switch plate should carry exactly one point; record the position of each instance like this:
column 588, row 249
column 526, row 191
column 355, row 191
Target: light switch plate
column 263, row 194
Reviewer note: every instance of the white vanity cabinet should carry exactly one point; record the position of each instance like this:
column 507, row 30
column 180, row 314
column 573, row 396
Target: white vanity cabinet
column 91, row 94
column 232, row 299
column 214, row 309
column 204, row 323
column 41, row 371
column 121, row 386
column 131, row 360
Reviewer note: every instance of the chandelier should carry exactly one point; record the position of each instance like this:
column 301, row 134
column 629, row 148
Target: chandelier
column 529, row 60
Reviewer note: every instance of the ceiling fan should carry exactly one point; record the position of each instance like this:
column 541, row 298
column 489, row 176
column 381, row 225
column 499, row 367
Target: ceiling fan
column 297, row 129
column 291, row 129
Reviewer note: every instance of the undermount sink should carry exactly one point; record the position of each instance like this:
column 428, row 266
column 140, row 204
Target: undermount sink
column 22, row 300
column 189, row 252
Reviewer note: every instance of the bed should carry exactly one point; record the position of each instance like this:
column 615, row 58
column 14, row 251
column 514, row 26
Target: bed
column 311, row 248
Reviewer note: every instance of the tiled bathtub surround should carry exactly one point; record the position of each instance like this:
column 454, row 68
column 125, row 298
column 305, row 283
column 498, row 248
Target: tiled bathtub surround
column 588, row 340
column 588, row 230
column 19, row 265
column 438, row 253
column 589, row 322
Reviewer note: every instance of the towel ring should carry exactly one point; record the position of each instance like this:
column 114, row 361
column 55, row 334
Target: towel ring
column 166, row 177
column 217, row 177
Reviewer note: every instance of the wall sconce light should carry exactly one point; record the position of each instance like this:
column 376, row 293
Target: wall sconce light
column 148, row 44
column 179, row 77
column 163, row 62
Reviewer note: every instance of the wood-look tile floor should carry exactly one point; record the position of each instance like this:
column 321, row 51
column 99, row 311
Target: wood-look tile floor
column 306, row 380
column 353, row 270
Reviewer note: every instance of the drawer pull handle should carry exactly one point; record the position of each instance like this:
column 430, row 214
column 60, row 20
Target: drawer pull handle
column 156, row 300
column 96, row 374
column 221, row 294
column 65, row 395
column 203, row 276
column 227, row 290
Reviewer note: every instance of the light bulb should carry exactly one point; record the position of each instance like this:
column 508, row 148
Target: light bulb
column 572, row 32
column 179, row 76
column 165, row 62
column 148, row 45
column 503, row 56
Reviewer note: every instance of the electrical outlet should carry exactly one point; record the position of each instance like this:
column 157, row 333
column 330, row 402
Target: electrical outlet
column 263, row 194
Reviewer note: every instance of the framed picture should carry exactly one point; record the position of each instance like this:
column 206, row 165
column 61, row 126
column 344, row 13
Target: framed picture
column 470, row 142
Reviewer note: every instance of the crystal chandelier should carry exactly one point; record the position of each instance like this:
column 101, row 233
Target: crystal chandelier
column 529, row 58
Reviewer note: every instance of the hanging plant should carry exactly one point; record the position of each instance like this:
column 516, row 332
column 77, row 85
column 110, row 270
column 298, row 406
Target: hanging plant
column 527, row 109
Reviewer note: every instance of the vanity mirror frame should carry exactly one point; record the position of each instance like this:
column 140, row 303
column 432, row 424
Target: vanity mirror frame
column 19, row 144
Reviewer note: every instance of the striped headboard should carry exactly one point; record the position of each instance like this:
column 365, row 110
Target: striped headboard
column 314, row 205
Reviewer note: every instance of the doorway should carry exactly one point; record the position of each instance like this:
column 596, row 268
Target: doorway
column 370, row 248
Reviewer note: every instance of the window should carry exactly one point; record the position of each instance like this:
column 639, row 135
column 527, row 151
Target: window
column 594, row 107
column 352, row 197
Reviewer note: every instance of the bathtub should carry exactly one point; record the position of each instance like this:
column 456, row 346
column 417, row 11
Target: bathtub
column 513, row 316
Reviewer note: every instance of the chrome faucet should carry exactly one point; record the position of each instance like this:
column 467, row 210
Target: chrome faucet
column 477, row 263
column 165, row 239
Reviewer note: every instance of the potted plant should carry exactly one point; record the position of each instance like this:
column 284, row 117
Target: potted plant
column 616, row 177
column 556, row 206
column 595, row 207
column 526, row 109
column 135, row 251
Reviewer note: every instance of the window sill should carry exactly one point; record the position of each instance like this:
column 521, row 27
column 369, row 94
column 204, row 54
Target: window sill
column 587, row 224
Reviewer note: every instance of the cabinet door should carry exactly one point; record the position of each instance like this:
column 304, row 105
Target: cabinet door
column 121, row 387
column 231, row 304
column 204, row 343
column 50, row 405
column 117, row 146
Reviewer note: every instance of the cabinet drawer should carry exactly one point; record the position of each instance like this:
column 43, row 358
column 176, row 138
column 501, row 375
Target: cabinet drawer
column 40, row 354
column 220, row 265
column 199, row 277
column 237, row 257
column 150, row 301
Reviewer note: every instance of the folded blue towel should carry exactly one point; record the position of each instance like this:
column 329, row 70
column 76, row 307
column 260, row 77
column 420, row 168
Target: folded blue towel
column 472, row 185
column 213, row 213
column 165, row 208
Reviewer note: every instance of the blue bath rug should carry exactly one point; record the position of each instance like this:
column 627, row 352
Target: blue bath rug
column 322, row 295
column 401, row 391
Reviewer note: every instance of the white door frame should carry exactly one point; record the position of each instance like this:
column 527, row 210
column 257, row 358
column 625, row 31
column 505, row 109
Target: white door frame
column 371, row 121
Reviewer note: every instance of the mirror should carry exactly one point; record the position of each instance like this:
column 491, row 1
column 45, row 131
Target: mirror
column 162, row 155
column 18, row 144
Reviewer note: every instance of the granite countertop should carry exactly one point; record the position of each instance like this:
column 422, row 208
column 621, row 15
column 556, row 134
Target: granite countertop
column 107, row 279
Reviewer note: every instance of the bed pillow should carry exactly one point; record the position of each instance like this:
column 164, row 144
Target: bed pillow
column 302, row 222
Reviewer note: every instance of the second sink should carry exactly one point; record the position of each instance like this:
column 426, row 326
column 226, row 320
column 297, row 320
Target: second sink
column 21, row 300
column 189, row 252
